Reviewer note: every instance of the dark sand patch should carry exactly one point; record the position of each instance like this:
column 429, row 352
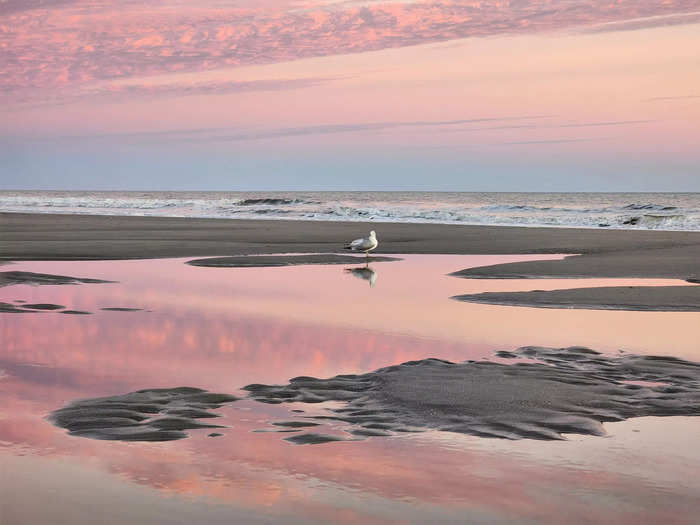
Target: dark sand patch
column 214, row 435
column 313, row 439
column 260, row 261
column 570, row 390
column 366, row 432
column 9, row 308
column 75, row 312
column 10, row 278
column 277, row 430
column 673, row 261
column 161, row 414
column 295, row 424
column 640, row 298
column 43, row 306
column 121, row 309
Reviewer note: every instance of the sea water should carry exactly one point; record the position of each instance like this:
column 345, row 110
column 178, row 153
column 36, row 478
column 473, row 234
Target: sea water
column 657, row 211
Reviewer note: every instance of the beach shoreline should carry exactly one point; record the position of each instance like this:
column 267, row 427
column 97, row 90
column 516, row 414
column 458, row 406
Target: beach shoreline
column 594, row 253
column 42, row 236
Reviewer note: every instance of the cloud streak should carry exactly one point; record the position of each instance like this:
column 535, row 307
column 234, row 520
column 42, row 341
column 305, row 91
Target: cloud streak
column 646, row 23
column 555, row 126
column 554, row 141
column 114, row 92
column 208, row 135
column 681, row 97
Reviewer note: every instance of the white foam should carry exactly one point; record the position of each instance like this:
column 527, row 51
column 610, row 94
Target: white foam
column 627, row 211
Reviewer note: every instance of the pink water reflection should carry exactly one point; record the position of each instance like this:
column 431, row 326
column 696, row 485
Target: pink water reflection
column 223, row 328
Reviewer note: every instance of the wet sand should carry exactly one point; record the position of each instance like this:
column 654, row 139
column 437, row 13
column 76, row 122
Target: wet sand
column 544, row 395
column 84, row 237
column 37, row 279
column 161, row 414
column 601, row 253
column 267, row 261
column 555, row 392
column 640, row 298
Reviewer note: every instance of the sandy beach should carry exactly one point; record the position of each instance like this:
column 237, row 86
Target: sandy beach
column 335, row 262
column 83, row 237
column 600, row 253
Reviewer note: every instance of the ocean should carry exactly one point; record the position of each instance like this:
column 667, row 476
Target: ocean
column 654, row 211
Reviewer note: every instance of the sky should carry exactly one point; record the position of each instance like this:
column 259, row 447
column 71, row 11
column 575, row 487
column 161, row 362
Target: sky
column 491, row 95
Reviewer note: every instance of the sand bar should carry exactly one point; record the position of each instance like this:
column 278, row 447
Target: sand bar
column 640, row 298
column 74, row 237
column 263, row 261
column 602, row 253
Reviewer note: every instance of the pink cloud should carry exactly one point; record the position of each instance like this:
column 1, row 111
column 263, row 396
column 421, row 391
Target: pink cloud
column 50, row 44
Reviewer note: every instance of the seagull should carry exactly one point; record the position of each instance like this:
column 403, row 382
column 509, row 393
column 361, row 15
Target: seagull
column 364, row 244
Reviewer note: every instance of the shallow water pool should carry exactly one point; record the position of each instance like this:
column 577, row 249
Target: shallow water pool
column 223, row 328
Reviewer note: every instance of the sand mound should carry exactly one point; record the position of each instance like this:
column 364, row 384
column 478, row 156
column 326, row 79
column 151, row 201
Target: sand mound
column 160, row 414
column 638, row 298
column 570, row 390
column 9, row 278
column 259, row 261
column 544, row 394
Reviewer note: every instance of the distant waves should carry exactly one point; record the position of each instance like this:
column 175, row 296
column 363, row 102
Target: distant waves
column 660, row 211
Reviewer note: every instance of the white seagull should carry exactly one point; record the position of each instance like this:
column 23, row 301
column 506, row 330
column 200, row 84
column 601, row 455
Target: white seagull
column 364, row 244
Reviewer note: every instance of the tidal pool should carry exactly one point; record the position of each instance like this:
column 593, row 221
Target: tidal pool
column 167, row 324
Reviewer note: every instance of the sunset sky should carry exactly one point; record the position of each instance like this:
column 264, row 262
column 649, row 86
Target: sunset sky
column 520, row 95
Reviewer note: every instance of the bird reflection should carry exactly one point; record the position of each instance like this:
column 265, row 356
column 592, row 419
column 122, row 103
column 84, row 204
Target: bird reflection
column 364, row 272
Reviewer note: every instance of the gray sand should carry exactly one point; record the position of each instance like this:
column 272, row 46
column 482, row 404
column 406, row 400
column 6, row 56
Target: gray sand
column 604, row 253
column 295, row 424
column 545, row 394
column 22, row 308
column 640, row 298
column 260, row 261
column 9, row 308
column 559, row 391
column 37, row 279
column 313, row 439
column 43, row 237
column 161, row 414
column 674, row 261
column 17, row 277
column 43, row 306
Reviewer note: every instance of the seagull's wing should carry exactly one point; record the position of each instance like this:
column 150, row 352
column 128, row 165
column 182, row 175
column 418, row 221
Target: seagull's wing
column 360, row 244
